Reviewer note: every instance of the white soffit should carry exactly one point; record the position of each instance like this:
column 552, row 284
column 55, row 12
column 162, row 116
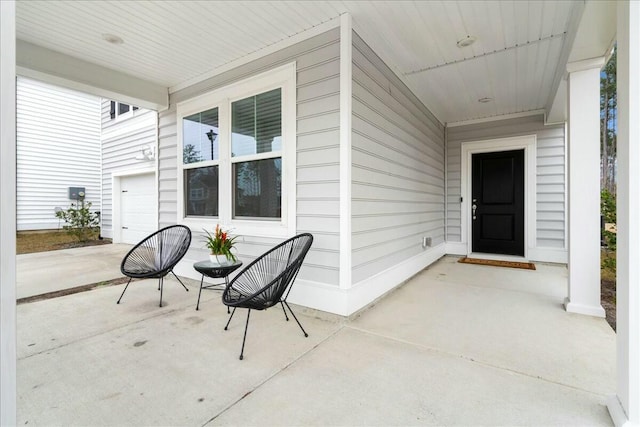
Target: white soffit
column 514, row 60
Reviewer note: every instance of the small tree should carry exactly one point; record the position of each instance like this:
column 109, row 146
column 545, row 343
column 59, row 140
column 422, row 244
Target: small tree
column 80, row 221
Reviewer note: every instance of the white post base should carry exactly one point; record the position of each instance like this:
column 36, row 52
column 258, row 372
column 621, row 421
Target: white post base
column 616, row 411
column 589, row 310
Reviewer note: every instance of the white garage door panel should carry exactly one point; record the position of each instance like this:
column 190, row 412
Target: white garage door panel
column 137, row 207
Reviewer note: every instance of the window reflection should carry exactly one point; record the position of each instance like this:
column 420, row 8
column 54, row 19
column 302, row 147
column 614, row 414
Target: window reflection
column 258, row 188
column 200, row 141
column 201, row 191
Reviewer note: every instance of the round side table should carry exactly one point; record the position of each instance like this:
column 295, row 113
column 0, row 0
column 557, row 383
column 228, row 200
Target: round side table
column 215, row 271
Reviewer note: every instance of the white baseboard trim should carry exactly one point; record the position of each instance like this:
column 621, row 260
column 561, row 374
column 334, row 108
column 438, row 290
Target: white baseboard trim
column 589, row 310
column 560, row 256
column 617, row 413
column 456, row 248
column 333, row 299
column 368, row 290
column 320, row 296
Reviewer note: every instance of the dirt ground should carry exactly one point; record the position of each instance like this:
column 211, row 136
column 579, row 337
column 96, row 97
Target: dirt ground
column 42, row 241
column 608, row 290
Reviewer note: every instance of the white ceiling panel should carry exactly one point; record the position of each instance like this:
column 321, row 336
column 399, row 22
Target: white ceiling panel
column 514, row 60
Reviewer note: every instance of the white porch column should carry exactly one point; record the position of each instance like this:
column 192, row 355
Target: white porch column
column 625, row 406
column 8, row 213
column 583, row 86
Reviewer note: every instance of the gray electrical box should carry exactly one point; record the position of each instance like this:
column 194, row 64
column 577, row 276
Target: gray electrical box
column 76, row 193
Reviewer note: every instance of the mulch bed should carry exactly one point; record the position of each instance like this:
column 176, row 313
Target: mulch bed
column 75, row 290
column 608, row 300
column 44, row 241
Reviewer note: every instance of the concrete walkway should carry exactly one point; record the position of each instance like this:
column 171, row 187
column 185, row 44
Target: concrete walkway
column 458, row 344
column 43, row 272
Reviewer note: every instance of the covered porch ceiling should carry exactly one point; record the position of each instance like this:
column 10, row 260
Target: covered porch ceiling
column 517, row 62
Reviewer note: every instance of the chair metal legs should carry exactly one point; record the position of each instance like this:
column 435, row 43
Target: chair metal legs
column 178, row 279
column 245, row 334
column 244, row 338
column 285, row 311
column 160, row 287
column 125, row 290
column 245, row 329
column 294, row 316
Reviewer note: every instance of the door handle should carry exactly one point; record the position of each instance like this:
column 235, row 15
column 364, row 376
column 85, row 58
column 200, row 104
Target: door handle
column 473, row 210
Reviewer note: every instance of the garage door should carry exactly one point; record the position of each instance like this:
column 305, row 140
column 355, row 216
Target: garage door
column 137, row 207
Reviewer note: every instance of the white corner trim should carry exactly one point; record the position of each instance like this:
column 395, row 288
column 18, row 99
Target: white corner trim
column 496, row 118
column 346, row 87
column 586, row 64
column 297, row 38
column 528, row 144
column 456, row 248
column 617, row 413
column 8, row 322
column 372, row 288
column 572, row 307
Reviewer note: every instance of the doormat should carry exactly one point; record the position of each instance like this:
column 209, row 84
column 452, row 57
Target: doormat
column 494, row 263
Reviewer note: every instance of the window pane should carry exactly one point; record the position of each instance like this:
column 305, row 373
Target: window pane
column 201, row 191
column 257, row 189
column 256, row 124
column 200, row 141
column 123, row 108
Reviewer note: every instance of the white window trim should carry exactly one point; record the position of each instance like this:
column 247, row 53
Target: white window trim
column 528, row 144
column 283, row 77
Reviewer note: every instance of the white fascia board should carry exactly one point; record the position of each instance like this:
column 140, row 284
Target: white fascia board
column 495, row 118
column 557, row 112
column 43, row 64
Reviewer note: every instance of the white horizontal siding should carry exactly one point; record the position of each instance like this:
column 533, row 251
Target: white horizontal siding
column 397, row 169
column 317, row 80
column 550, row 174
column 122, row 141
column 58, row 146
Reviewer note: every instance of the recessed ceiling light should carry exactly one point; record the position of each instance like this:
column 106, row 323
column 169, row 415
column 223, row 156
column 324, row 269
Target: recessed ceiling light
column 485, row 100
column 467, row 41
column 112, row 38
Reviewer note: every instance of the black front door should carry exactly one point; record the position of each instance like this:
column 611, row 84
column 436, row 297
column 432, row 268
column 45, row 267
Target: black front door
column 497, row 205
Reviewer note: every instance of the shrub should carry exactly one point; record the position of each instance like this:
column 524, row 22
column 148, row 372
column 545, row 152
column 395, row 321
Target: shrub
column 80, row 221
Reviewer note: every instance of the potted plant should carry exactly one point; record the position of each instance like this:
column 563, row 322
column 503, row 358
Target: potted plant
column 220, row 244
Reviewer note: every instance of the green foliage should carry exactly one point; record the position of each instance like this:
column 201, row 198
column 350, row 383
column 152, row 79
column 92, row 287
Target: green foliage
column 608, row 206
column 190, row 154
column 80, row 221
column 608, row 211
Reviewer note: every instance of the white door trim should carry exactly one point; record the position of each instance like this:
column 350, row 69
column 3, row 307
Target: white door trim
column 116, row 195
column 528, row 143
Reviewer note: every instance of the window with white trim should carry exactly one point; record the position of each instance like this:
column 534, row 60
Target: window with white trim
column 120, row 110
column 237, row 156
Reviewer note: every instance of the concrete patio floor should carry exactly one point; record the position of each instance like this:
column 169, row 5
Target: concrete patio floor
column 457, row 344
column 43, row 272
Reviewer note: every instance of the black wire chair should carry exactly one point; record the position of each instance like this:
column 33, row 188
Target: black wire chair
column 156, row 255
column 267, row 281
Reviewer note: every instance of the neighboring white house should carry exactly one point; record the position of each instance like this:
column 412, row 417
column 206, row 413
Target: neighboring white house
column 129, row 201
column 58, row 146
column 67, row 138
